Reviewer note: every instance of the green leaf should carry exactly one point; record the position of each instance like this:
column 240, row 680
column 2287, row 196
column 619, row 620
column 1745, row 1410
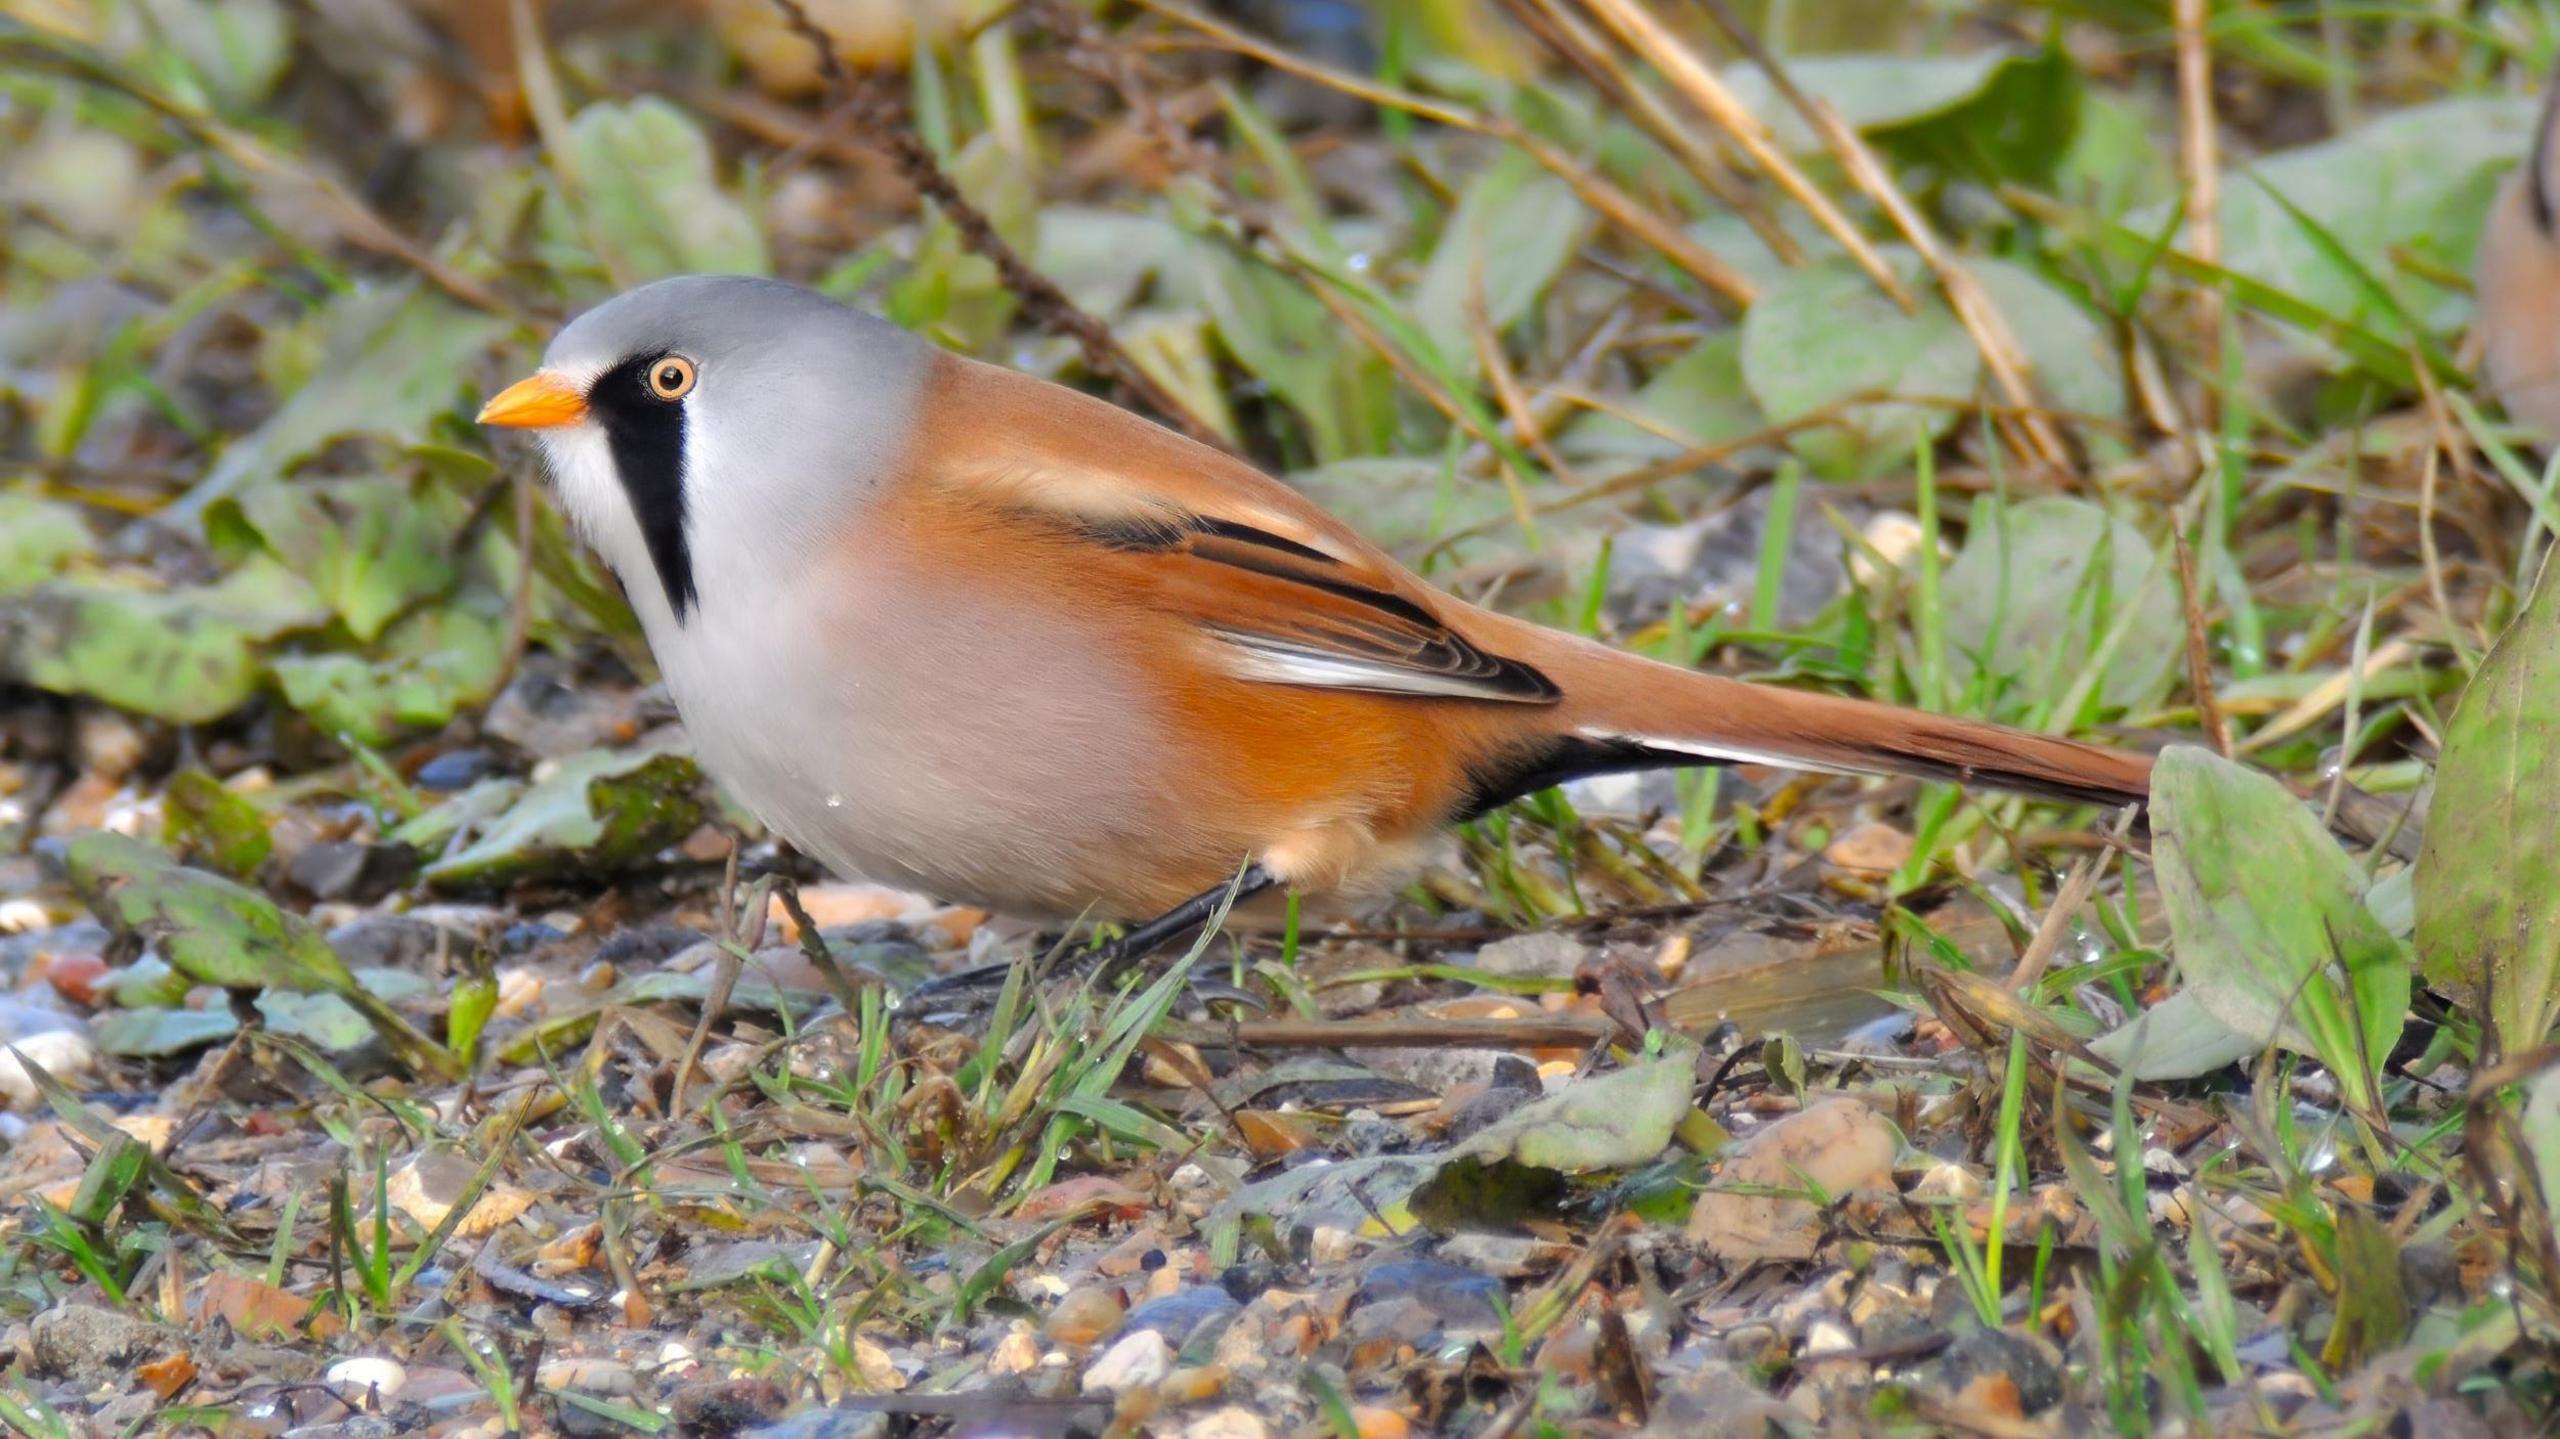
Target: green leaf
column 650, row 196
column 597, row 811
column 1611, row 1122
column 158, row 1033
column 424, row 671
column 2037, row 587
column 187, row 655
column 1284, row 337
column 36, row 537
column 210, row 822
column 223, row 934
column 2073, row 363
column 1990, row 115
column 210, row 929
column 371, row 547
column 1825, row 336
column 2178, row 1038
column 1697, row 399
column 1869, row 92
column 1514, row 229
column 2269, row 921
column 391, row 360
column 2488, row 877
column 2415, row 180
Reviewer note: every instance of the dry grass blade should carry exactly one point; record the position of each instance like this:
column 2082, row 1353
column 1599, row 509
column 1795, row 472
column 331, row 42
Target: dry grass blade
column 1981, row 319
column 1606, row 199
column 1570, row 38
column 2199, row 647
column 2066, row 905
column 1644, row 32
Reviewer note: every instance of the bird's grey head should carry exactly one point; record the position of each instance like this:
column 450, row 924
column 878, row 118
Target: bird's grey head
column 705, row 430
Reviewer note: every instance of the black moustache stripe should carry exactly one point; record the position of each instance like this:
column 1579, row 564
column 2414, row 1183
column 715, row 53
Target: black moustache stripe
column 646, row 435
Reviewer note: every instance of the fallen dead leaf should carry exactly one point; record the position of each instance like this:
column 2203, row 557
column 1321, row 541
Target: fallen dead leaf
column 1834, row 1147
column 254, row 1308
column 166, row 1376
column 1871, row 848
column 429, row 1185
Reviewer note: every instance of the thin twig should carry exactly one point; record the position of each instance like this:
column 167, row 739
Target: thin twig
column 2202, row 168
column 2199, row 651
column 886, row 122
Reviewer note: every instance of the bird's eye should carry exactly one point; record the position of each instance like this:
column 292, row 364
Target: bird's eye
column 671, row 377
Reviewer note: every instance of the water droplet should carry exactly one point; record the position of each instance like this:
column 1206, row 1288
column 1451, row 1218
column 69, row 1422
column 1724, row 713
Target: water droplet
column 835, row 801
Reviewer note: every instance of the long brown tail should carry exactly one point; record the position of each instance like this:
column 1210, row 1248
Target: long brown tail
column 1614, row 699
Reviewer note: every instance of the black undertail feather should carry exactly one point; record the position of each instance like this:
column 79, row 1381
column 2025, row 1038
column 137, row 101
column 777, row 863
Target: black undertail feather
column 1546, row 763
column 647, row 438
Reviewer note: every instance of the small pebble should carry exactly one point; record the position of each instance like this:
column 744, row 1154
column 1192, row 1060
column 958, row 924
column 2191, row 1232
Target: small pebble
column 1139, row 1361
column 368, row 1379
column 517, row 938
column 456, row 769
column 1087, row 1315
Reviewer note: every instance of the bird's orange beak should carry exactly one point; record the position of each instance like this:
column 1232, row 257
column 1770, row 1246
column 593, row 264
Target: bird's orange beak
column 539, row 402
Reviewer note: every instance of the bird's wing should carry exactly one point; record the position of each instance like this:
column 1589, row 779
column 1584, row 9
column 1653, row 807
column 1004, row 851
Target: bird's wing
column 1284, row 593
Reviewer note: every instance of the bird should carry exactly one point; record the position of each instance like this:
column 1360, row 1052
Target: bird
column 961, row 630
column 2516, row 279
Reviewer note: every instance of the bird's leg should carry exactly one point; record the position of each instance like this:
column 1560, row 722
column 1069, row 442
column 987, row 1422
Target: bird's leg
column 1135, row 945
column 1153, row 935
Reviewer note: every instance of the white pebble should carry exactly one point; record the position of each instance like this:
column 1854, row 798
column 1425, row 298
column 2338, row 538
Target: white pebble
column 1135, row 1362
column 368, row 1378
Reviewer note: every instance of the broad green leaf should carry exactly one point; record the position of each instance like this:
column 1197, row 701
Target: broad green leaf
column 391, row 360
column 324, row 1020
column 208, row 821
column 1284, row 337
column 158, row 1033
column 1824, row 337
column 2415, row 180
column 1404, row 504
column 1867, row 91
column 1103, row 258
column 1514, row 229
column 1990, row 114
column 36, row 537
column 650, row 197
column 187, row 655
column 210, row 929
column 2268, row 919
column 371, row 547
column 2178, row 1038
column 1697, row 399
column 2038, row 586
column 2488, row 874
column 2073, row 363
column 2540, row 1123
column 2116, row 162
column 426, row 669
column 226, row 935
column 1610, row 1122
column 233, row 51
column 595, row 812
